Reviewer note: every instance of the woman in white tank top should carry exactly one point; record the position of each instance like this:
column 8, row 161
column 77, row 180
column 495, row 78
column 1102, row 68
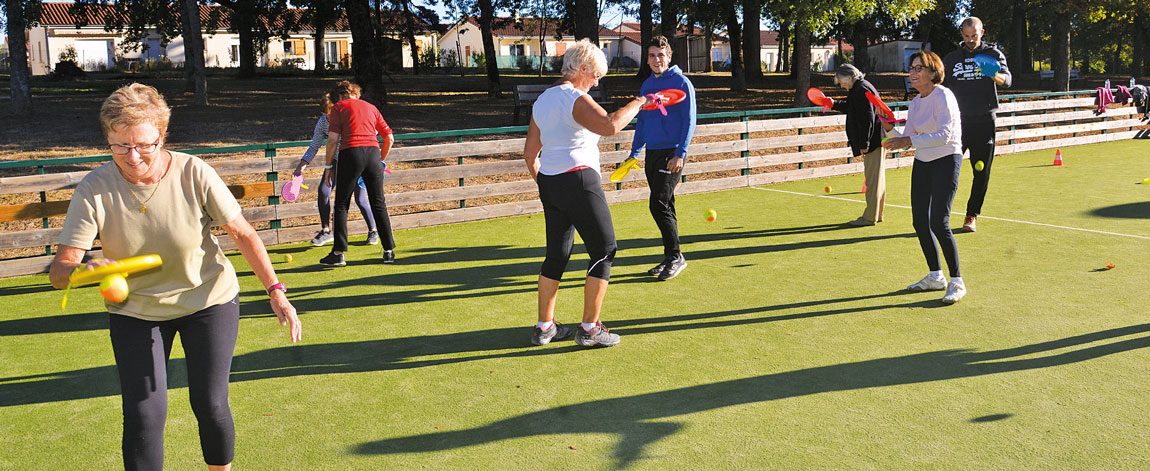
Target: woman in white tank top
column 562, row 156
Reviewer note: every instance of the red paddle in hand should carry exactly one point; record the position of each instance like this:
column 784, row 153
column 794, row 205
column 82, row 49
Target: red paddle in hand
column 662, row 99
column 816, row 96
column 884, row 112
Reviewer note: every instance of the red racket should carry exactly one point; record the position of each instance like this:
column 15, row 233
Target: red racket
column 884, row 112
column 668, row 97
column 816, row 96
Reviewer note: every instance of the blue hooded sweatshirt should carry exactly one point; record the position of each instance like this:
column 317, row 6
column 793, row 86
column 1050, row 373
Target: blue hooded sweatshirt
column 673, row 131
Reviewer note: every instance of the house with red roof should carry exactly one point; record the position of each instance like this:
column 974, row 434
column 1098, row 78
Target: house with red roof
column 521, row 41
column 56, row 34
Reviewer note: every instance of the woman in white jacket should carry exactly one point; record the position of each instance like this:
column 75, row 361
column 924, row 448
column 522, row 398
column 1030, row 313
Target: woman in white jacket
column 933, row 128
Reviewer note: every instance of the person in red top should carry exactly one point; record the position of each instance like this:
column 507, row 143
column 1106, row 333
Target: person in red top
column 354, row 127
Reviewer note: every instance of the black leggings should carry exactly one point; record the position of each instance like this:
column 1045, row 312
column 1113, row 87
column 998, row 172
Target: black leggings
column 353, row 163
column 662, row 202
column 932, row 188
column 978, row 136
column 142, row 349
column 574, row 201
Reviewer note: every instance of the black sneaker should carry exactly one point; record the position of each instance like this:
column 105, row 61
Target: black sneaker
column 544, row 337
column 388, row 256
column 673, row 268
column 597, row 336
column 333, row 260
column 657, row 269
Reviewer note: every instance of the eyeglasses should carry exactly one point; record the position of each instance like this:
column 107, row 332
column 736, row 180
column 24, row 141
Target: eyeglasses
column 917, row 68
column 142, row 149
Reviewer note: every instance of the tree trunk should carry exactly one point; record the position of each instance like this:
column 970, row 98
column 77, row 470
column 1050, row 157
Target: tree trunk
column 242, row 18
column 783, row 64
column 1060, row 54
column 364, row 60
column 646, row 27
column 668, row 26
column 738, row 77
column 862, row 56
column 491, row 57
column 1019, row 44
column 194, row 52
column 587, row 20
column 543, row 43
column 710, row 38
column 409, row 35
column 752, row 51
column 802, row 65
column 320, row 53
column 21, row 74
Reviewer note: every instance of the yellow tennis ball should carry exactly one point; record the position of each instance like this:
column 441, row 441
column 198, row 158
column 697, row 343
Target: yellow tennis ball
column 711, row 215
column 978, row 166
column 114, row 288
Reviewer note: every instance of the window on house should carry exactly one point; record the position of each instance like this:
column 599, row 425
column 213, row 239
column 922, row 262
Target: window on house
column 287, row 47
column 234, row 53
column 517, row 50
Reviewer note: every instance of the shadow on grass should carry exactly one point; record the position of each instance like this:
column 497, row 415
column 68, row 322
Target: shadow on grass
column 1140, row 210
column 437, row 284
column 636, row 419
column 394, row 354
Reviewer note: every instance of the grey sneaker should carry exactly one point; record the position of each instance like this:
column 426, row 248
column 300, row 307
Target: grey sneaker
column 333, row 260
column 673, row 268
column 596, row 336
column 322, row 238
column 544, row 337
column 954, row 292
column 929, row 283
column 372, row 238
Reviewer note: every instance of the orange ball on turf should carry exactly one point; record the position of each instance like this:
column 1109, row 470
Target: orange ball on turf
column 711, row 215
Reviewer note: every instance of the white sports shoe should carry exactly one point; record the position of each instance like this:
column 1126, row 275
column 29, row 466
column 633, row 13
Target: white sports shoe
column 929, row 283
column 954, row 292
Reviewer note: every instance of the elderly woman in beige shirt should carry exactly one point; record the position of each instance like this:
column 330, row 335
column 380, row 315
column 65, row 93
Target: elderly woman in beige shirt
column 153, row 201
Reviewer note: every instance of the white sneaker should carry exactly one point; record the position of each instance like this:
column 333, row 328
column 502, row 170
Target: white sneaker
column 929, row 283
column 954, row 292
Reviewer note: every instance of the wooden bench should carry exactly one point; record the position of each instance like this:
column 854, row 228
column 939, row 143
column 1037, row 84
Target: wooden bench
column 525, row 96
column 1049, row 75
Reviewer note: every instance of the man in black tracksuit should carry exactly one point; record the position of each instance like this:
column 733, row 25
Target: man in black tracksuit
column 977, row 93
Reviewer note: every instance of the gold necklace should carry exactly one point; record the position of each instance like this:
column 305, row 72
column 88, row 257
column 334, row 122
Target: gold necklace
column 144, row 203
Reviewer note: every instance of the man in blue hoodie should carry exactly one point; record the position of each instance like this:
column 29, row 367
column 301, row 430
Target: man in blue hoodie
column 666, row 139
column 975, row 83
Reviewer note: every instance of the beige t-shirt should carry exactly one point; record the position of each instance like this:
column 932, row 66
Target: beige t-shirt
column 187, row 202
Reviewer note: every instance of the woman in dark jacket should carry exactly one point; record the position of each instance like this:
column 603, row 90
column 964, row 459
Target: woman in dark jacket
column 864, row 135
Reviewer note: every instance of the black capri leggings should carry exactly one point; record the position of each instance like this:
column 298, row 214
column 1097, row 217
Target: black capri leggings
column 352, row 164
column 574, row 201
column 142, row 349
column 932, row 188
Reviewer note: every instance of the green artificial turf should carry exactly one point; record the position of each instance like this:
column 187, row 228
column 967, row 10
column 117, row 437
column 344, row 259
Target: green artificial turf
column 787, row 343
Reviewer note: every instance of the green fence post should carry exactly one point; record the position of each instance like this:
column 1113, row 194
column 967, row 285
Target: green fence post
column 800, row 130
column 746, row 136
column 273, row 176
column 618, row 186
column 462, row 203
column 44, row 199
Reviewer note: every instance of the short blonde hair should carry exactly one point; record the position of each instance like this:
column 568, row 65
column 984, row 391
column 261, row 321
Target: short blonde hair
column 930, row 61
column 135, row 104
column 584, row 52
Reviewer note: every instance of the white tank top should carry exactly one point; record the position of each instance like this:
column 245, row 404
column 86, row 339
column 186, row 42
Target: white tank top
column 566, row 144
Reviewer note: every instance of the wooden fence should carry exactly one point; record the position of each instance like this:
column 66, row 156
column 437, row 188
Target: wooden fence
column 741, row 149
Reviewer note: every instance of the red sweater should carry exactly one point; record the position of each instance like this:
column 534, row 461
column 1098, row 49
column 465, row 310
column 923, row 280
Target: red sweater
column 357, row 122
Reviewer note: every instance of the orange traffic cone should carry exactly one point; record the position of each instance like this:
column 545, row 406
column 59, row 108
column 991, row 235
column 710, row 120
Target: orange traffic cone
column 1058, row 158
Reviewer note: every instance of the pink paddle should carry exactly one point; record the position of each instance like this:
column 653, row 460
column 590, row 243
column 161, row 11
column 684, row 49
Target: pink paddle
column 290, row 191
